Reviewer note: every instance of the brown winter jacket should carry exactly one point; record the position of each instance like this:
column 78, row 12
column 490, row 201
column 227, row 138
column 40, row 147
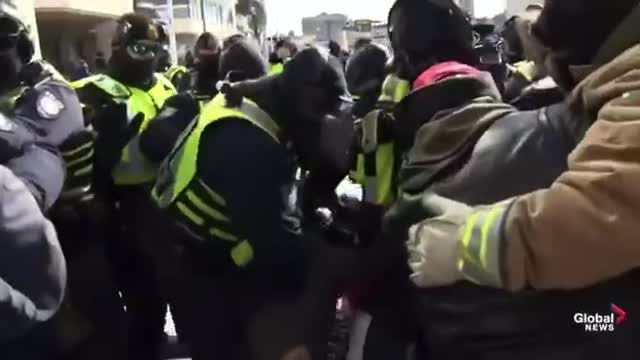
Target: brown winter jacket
column 585, row 228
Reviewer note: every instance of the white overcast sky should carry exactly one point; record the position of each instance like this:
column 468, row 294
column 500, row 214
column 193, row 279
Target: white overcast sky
column 285, row 15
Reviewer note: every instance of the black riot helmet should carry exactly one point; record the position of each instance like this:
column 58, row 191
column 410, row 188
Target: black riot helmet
column 16, row 50
column 365, row 70
column 426, row 32
column 136, row 46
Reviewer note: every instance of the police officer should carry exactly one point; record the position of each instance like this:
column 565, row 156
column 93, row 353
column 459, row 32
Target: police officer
column 39, row 112
column 38, row 108
column 241, row 261
column 201, row 80
column 240, row 61
column 119, row 105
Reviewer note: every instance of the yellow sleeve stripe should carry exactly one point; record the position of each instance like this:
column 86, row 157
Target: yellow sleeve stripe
column 77, row 150
column 223, row 235
column 214, row 195
column 215, row 214
column 184, row 209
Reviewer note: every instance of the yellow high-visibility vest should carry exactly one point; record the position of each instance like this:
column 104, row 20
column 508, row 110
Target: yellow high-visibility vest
column 527, row 69
column 276, row 69
column 376, row 161
column 180, row 189
column 175, row 73
column 133, row 168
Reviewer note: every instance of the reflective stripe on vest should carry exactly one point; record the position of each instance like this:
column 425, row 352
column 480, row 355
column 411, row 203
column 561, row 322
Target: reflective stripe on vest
column 479, row 258
column 134, row 168
column 178, row 173
column 376, row 163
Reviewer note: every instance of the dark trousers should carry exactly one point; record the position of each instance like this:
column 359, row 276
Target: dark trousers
column 93, row 311
column 136, row 277
column 237, row 315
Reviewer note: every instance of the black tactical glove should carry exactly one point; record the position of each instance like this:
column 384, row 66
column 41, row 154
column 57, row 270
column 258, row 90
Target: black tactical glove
column 158, row 139
column 184, row 102
column 114, row 131
column 78, row 153
column 78, row 200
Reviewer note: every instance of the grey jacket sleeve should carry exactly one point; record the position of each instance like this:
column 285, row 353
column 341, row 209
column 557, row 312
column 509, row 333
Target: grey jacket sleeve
column 32, row 267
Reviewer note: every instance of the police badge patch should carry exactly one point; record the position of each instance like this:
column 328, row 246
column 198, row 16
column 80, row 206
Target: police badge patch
column 49, row 106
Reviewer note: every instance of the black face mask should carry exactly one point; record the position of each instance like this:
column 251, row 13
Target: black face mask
column 133, row 72
column 11, row 66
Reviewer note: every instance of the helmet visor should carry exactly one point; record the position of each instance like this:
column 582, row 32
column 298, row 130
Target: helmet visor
column 143, row 50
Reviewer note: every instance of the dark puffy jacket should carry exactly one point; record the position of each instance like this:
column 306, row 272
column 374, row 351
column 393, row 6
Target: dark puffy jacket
column 495, row 152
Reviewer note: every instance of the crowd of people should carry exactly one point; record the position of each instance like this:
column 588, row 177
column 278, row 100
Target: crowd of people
column 490, row 170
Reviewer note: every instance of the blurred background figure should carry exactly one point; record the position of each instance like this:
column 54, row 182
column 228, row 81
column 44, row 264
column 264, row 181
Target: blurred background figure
column 284, row 50
column 100, row 63
column 80, row 70
column 490, row 48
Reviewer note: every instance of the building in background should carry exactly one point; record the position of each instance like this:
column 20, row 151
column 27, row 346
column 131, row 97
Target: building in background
column 326, row 27
column 74, row 29
column 193, row 17
column 380, row 34
column 367, row 29
column 251, row 17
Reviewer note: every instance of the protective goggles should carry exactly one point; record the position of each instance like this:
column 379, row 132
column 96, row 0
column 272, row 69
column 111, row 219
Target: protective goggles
column 143, row 49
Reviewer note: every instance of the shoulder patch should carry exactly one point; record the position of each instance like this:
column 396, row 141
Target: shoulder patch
column 48, row 105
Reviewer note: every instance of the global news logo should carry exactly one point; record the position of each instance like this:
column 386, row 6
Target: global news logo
column 601, row 322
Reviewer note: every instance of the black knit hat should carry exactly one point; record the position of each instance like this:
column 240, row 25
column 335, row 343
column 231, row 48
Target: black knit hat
column 424, row 32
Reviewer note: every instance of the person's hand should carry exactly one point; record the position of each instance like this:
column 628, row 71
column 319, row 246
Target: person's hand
column 78, row 153
column 432, row 225
column 114, row 131
column 434, row 244
column 180, row 109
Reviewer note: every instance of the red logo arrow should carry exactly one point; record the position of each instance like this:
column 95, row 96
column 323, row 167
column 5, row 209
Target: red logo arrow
column 622, row 315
